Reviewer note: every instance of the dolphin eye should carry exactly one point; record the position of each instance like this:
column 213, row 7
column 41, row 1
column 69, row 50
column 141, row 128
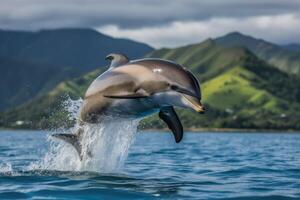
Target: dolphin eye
column 174, row 87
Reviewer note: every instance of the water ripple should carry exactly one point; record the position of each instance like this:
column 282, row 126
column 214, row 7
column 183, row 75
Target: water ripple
column 204, row 166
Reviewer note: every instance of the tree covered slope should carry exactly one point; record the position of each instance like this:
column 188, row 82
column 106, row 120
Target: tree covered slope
column 239, row 90
column 281, row 57
column 32, row 63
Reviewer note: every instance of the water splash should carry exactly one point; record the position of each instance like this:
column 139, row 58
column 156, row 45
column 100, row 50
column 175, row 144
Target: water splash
column 72, row 107
column 105, row 145
column 6, row 168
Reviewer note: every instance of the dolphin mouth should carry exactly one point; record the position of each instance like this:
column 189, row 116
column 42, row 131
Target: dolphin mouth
column 194, row 104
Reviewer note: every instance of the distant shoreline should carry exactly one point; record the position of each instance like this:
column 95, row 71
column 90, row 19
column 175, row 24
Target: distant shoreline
column 199, row 130
column 229, row 130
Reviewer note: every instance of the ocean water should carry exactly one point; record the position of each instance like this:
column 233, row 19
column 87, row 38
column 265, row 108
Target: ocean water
column 204, row 166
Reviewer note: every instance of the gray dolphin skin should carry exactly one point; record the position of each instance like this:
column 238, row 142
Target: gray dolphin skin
column 135, row 89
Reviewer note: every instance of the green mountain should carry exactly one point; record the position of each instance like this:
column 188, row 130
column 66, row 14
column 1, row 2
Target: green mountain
column 48, row 110
column 283, row 58
column 239, row 90
column 32, row 63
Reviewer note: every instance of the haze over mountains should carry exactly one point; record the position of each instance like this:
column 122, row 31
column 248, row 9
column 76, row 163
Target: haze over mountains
column 292, row 47
column 246, row 82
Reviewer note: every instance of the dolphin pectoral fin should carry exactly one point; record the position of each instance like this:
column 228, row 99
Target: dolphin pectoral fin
column 169, row 116
column 127, row 96
column 72, row 139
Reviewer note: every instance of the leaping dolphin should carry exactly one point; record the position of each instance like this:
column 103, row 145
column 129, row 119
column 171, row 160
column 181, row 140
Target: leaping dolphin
column 135, row 89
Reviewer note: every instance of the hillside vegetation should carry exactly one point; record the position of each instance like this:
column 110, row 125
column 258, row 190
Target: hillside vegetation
column 285, row 58
column 239, row 89
column 33, row 63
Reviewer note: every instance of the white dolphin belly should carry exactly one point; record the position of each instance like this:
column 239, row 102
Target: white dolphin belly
column 133, row 107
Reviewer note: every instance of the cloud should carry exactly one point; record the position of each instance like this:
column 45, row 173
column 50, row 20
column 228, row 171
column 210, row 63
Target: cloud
column 37, row 14
column 277, row 28
column 158, row 22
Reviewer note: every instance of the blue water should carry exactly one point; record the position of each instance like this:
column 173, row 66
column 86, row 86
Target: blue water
column 203, row 166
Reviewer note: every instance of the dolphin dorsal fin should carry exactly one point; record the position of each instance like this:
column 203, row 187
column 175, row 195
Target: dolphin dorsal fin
column 116, row 60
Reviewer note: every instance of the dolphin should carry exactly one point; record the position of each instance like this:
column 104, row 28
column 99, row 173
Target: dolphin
column 138, row 88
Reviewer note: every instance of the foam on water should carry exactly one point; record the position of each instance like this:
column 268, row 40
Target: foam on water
column 105, row 145
column 5, row 167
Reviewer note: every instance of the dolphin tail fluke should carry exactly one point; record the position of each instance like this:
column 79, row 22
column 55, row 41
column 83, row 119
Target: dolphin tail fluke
column 169, row 116
column 73, row 139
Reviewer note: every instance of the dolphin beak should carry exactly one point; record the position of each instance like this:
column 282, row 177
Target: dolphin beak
column 194, row 103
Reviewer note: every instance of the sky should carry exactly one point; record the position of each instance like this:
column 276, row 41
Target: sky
column 160, row 23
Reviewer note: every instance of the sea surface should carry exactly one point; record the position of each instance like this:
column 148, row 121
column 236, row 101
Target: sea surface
column 203, row 166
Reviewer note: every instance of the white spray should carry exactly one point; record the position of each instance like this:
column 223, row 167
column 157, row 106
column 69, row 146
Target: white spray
column 105, row 145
